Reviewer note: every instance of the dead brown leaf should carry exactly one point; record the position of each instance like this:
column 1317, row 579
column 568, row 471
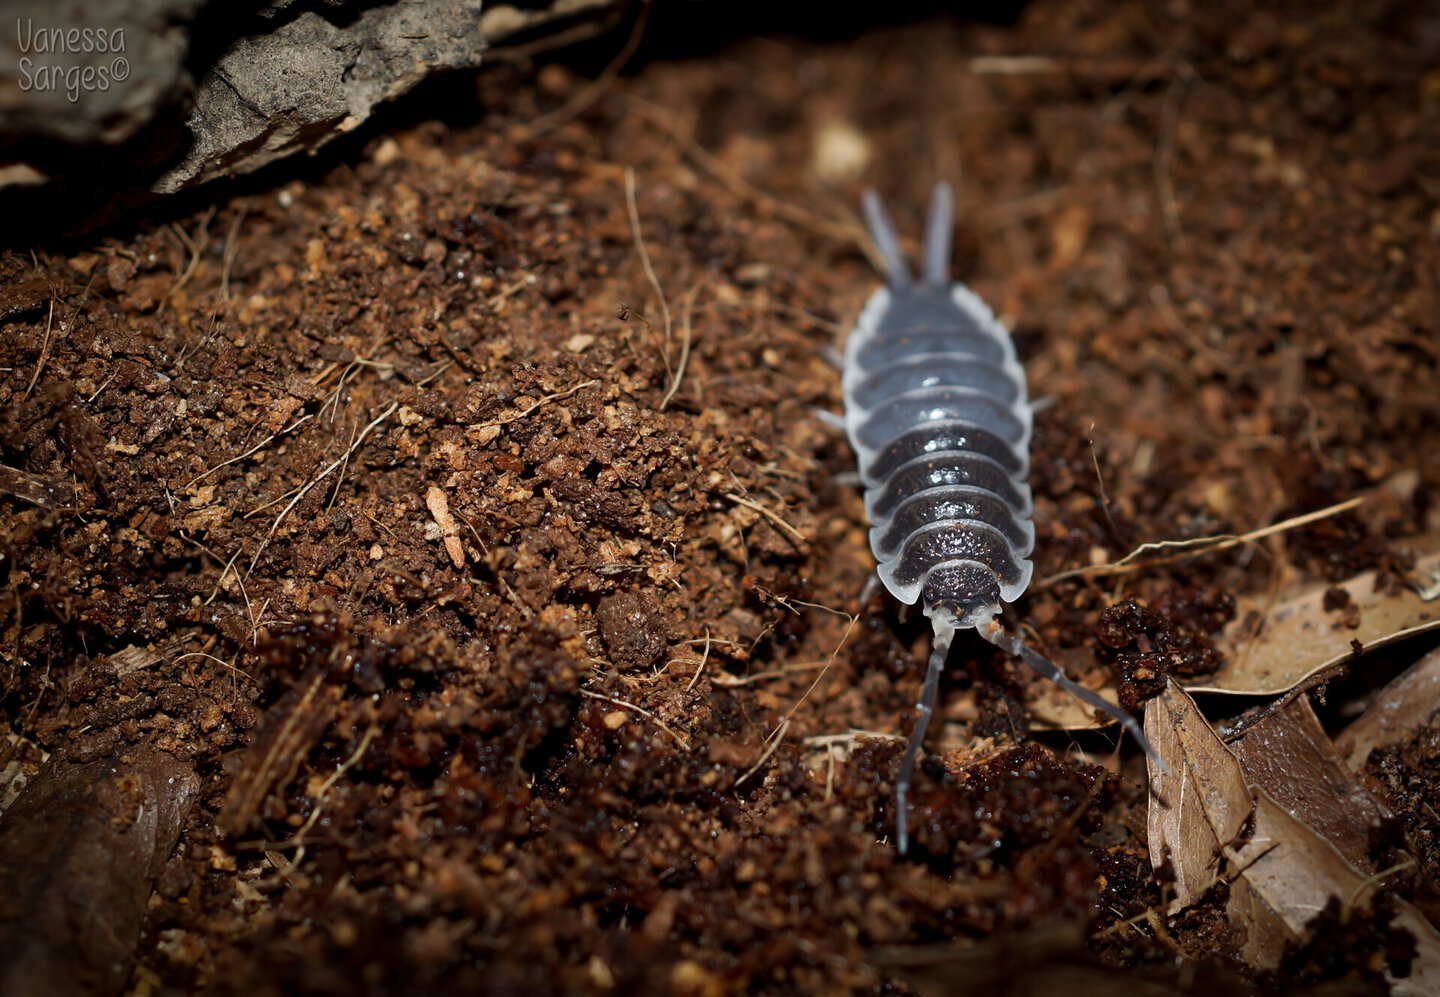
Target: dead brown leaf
column 1201, row 805
column 1288, row 755
column 1299, row 637
column 79, row 852
column 1408, row 703
column 1208, row 821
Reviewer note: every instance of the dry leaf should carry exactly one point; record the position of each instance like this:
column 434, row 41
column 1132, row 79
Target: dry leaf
column 1281, row 872
column 1288, row 755
column 79, row 852
column 1409, row 702
column 1199, row 806
column 1299, row 637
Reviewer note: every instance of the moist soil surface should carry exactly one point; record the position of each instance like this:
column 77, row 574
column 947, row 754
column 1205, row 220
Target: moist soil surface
column 499, row 585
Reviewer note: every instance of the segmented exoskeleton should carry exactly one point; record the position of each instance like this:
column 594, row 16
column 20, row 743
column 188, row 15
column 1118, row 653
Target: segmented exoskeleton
column 936, row 409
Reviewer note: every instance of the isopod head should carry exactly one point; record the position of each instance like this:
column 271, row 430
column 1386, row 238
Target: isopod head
column 963, row 594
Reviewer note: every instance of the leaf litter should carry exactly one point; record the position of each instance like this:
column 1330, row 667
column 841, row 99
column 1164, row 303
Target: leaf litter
column 1213, row 821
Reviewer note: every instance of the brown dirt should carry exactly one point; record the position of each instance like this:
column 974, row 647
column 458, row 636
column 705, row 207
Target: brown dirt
column 374, row 470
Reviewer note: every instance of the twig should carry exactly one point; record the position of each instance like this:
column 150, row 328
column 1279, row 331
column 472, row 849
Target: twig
column 685, row 314
column 297, row 840
column 44, row 351
column 1041, row 65
column 849, row 628
column 775, row 740
column 113, row 374
column 849, row 737
column 196, row 248
column 221, row 661
column 335, row 493
column 221, row 580
column 594, row 90
column 645, row 261
column 773, row 517
column 232, row 250
column 389, row 410
column 703, row 659
column 543, row 401
column 735, row 681
column 509, row 291
column 640, row 710
column 1100, row 480
column 1198, row 546
column 263, row 443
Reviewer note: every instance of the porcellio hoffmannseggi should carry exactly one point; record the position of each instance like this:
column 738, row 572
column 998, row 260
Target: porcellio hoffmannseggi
column 938, row 415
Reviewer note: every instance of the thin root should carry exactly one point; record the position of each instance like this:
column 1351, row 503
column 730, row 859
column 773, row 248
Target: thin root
column 1186, row 549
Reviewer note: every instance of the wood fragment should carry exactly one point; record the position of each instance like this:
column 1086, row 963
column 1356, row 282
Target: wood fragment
column 46, row 492
column 288, row 732
column 439, row 507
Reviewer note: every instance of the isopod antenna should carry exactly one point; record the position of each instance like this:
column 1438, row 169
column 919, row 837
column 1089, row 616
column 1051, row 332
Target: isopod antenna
column 1008, row 642
column 939, row 651
column 937, row 236
column 993, row 632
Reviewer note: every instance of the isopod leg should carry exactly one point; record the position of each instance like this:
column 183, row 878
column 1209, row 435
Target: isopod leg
column 937, row 236
column 887, row 240
column 939, row 652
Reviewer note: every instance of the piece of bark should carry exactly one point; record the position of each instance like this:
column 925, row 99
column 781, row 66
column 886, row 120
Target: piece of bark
column 1289, row 756
column 48, row 493
column 290, row 729
column 79, row 851
column 1411, row 701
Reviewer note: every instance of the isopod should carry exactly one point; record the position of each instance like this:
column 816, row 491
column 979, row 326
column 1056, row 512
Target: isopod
column 937, row 412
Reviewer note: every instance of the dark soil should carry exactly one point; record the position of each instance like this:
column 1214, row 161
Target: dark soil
column 372, row 496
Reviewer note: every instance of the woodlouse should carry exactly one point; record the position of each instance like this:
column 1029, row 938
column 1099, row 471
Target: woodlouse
column 937, row 412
